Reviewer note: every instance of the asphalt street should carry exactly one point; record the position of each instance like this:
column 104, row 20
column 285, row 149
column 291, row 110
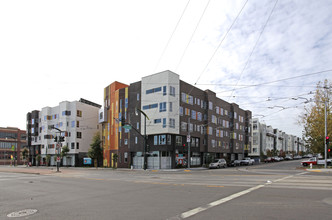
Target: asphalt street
column 268, row 191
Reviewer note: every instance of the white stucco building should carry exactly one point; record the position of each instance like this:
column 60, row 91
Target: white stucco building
column 79, row 122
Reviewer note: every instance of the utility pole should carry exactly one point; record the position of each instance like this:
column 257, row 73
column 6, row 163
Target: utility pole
column 188, row 141
column 325, row 151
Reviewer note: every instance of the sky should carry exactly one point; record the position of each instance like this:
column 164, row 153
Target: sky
column 267, row 56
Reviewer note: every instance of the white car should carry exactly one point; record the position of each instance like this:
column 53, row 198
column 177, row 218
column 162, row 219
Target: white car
column 218, row 163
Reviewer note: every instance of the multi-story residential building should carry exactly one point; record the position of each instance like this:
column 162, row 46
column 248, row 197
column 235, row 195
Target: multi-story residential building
column 265, row 139
column 182, row 122
column 12, row 143
column 79, row 122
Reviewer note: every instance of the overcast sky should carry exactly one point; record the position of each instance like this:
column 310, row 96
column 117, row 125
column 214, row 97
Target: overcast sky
column 51, row 51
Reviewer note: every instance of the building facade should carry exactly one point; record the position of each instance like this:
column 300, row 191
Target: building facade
column 12, row 144
column 266, row 139
column 78, row 121
column 182, row 123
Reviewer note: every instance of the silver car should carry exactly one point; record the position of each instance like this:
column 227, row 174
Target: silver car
column 218, row 163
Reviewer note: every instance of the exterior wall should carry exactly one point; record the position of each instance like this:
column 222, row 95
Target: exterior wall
column 80, row 122
column 10, row 137
column 156, row 90
column 111, row 123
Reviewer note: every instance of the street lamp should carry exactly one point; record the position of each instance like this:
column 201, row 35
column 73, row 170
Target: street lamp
column 137, row 110
column 58, row 140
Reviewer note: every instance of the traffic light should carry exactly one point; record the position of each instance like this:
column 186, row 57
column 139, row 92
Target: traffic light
column 56, row 139
column 61, row 139
column 327, row 141
column 123, row 121
column 329, row 150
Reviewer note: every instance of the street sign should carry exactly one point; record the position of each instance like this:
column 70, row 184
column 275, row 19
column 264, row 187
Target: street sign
column 127, row 127
column 188, row 138
column 87, row 161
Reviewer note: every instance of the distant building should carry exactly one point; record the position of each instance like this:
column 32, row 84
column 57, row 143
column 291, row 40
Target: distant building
column 265, row 139
column 79, row 122
column 12, row 143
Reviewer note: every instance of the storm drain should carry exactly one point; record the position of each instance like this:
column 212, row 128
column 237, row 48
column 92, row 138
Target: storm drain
column 22, row 213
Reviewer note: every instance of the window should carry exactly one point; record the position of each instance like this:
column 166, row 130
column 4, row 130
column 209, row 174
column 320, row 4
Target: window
column 183, row 126
column 164, row 90
column 170, row 107
column 146, row 107
column 210, row 129
column 181, row 110
column 162, row 107
column 199, row 116
column 126, row 141
column 157, row 121
column 164, row 122
column 66, row 113
column 172, row 122
column 172, row 91
column 137, row 97
column 137, row 125
column 149, row 91
column 155, row 140
column 73, row 124
column 72, row 146
column 178, row 140
column 210, row 105
column 136, row 139
column 77, row 124
column 79, row 134
column 193, row 114
column 162, row 139
column 79, row 113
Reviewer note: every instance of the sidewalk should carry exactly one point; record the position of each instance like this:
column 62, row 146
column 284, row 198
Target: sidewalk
column 323, row 170
column 33, row 170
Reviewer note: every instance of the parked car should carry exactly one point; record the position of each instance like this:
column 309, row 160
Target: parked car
column 234, row 163
column 288, row 158
column 218, row 163
column 297, row 157
column 268, row 160
column 247, row 161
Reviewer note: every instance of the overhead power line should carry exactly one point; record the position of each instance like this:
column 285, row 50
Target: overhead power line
column 253, row 49
column 280, row 80
column 192, row 36
column 170, row 38
column 222, row 40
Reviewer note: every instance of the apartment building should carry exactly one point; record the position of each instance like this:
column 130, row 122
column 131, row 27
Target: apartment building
column 12, row 144
column 78, row 121
column 265, row 139
column 182, row 123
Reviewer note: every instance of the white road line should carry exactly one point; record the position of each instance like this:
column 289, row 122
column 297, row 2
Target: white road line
column 223, row 200
column 218, row 202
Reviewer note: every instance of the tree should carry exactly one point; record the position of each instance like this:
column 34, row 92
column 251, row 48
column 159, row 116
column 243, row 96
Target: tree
column 313, row 118
column 64, row 151
column 38, row 157
column 25, row 154
column 96, row 151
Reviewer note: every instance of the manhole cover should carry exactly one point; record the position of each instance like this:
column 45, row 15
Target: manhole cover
column 22, row 213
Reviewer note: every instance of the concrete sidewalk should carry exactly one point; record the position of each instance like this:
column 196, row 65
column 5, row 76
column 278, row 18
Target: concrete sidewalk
column 34, row 170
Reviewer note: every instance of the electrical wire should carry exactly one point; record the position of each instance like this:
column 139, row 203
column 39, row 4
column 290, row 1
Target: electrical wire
column 170, row 38
column 222, row 40
column 253, row 49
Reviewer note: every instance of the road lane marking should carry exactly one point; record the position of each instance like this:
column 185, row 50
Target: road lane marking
column 229, row 198
column 218, row 202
